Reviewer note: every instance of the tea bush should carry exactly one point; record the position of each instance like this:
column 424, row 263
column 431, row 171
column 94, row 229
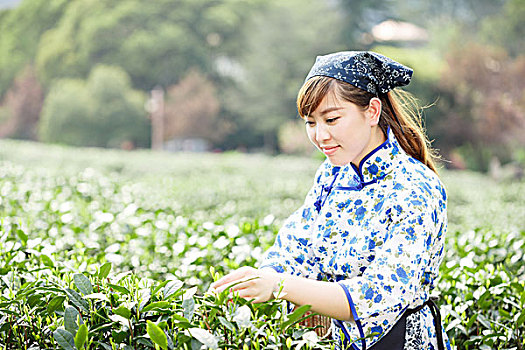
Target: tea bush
column 114, row 250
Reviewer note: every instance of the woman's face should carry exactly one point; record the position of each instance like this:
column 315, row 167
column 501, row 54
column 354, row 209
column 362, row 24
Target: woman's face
column 343, row 131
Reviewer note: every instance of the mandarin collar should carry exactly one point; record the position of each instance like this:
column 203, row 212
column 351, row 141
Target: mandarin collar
column 375, row 166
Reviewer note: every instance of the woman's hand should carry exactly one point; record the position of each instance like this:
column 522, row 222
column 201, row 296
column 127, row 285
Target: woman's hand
column 250, row 283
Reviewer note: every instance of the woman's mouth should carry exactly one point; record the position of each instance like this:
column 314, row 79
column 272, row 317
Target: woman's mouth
column 329, row 150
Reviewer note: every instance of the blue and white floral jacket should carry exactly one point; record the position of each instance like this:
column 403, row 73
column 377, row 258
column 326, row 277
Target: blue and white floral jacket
column 378, row 231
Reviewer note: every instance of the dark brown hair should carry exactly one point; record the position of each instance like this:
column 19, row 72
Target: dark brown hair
column 408, row 127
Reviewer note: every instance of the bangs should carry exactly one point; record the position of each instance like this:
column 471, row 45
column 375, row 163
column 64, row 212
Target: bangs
column 312, row 93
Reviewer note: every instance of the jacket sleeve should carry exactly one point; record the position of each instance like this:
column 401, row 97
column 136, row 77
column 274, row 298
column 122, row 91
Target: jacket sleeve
column 291, row 252
column 406, row 258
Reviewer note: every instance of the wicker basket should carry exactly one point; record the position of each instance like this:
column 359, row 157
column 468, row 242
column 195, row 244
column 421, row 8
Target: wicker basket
column 318, row 320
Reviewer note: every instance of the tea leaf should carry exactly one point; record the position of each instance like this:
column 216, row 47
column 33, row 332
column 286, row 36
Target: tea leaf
column 77, row 300
column 119, row 319
column 242, row 316
column 104, row 270
column 227, row 323
column 295, row 316
column 82, row 283
column 157, row 335
column 98, row 296
column 23, row 236
column 205, row 337
column 144, row 297
column 72, row 319
column 180, row 321
column 81, row 336
column 55, row 303
column 34, row 299
column 189, row 293
column 156, row 305
column 145, row 341
column 521, row 319
column 64, row 339
column 471, row 321
column 189, row 307
column 46, row 260
column 159, row 286
column 171, row 288
column 120, row 289
column 122, row 311
column 118, row 336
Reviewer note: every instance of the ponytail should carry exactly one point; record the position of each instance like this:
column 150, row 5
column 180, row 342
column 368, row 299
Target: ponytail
column 406, row 123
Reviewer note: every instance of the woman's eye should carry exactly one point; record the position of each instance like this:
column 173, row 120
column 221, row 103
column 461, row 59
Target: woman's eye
column 331, row 120
column 309, row 123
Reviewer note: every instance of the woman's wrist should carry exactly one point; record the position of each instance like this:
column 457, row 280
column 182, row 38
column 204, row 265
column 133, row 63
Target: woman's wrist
column 278, row 288
column 276, row 281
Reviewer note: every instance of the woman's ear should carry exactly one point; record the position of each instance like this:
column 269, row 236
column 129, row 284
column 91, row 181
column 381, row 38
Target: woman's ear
column 374, row 111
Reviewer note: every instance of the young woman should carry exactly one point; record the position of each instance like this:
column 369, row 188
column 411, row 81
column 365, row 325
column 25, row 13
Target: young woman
column 366, row 246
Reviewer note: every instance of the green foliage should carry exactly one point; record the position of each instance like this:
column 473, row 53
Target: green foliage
column 155, row 42
column 256, row 53
column 359, row 18
column 482, row 104
column 104, row 111
column 484, row 288
column 66, row 114
column 148, row 314
column 109, row 248
column 281, row 47
column 21, row 30
column 506, row 27
column 293, row 139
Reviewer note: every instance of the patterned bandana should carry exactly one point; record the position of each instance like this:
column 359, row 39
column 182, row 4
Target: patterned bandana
column 366, row 70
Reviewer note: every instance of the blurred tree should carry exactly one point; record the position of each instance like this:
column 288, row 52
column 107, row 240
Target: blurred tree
column 282, row 40
column 66, row 114
column 192, row 110
column 119, row 116
column 21, row 106
column 444, row 12
column 506, row 28
column 103, row 111
column 21, row 30
column 156, row 42
column 359, row 16
column 482, row 104
column 293, row 138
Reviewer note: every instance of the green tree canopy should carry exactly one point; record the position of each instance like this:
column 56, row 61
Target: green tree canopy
column 21, row 30
column 102, row 111
column 506, row 28
column 282, row 41
column 156, row 42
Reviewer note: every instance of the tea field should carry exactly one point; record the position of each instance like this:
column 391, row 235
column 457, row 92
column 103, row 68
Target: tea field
column 105, row 249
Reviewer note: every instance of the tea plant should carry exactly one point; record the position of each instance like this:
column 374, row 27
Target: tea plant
column 117, row 255
column 44, row 304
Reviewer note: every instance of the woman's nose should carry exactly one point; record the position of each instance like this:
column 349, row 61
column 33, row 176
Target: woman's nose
column 321, row 133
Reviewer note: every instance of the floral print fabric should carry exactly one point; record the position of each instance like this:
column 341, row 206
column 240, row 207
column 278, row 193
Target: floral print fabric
column 378, row 231
column 366, row 70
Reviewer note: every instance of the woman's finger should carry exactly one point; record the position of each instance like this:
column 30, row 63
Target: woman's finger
column 233, row 278
column 229, row 278
column 246, row 294
column 239, row 284
column 242, row 284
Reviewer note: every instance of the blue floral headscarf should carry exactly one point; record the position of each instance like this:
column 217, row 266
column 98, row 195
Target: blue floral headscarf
column 366, row 70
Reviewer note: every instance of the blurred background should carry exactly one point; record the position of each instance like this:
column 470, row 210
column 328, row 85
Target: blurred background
column 220, row 75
